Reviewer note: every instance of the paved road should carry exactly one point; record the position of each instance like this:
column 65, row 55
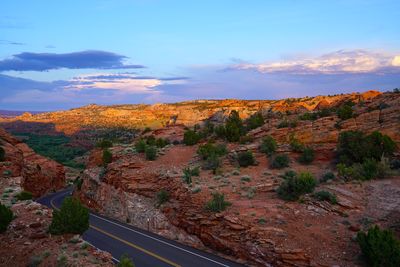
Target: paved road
column 145, row 248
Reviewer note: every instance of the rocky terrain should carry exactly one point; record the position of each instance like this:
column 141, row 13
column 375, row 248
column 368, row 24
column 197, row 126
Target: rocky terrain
column 28, row 243
column 258, row 228
column 158, row 115
column 39, row 175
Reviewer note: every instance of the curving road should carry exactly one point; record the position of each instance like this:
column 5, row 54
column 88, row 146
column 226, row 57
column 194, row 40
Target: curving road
column 145, row 248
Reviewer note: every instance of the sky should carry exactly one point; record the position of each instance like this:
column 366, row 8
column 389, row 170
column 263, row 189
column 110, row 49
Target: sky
column 63, row 54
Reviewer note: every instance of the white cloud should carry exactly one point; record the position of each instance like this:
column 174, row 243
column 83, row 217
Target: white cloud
column 356, row 61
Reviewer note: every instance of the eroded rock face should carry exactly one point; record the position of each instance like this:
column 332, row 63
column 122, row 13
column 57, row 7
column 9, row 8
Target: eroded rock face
column 39, row 174
column 159, row 115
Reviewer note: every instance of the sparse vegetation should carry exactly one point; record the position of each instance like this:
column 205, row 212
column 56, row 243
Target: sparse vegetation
column 245, row 159
column 254, row 121
column 140, row 146
column 345, row 111
column 191, row 137
column 325, row 196
column 162, row 197
column 188, row 173
column 24, row 195
column 107, row 157
column 209, row 149
column 380, row 248
column 217, row 203
column 268, row 145
column 307, row 156
column 295, row 185
column 296, row 145
column 327, row 176
column 6, row 216
column 150, row 152
column 280, row 161
column 104, row 144
column 125, row 261
column 72, row 218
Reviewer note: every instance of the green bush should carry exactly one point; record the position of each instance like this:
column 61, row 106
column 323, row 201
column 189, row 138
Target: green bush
column 161, row 142
column 355, row 147
column 268, row 145
column 6, row 216
column 72, row 218
column 254, row 121
column 150, row 152
column 212, row 162
column 125, row 261
column 379, row 247
column 295, row 185
column 245, row 159
column 217, row 203
column 140, row 146
column 280, row 161
column 345, row 111
column 209, row 149
column 296, row 145
column 234, row 127
column 24, row 195
column 307, row 156
column 107, row 157
column 188, row 173
column 104, row 144
column 246, row 139
column 2, row 154
column 369, row 169
column 325, row 196
column 162, row 197
column 220, row 131
column 191, row 138
column 283, row 124
column 308, row 116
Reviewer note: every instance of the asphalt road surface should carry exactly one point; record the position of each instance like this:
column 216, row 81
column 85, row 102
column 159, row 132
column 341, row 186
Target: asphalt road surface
column 145, row 248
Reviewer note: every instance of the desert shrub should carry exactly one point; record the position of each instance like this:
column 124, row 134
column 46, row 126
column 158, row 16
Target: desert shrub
column 209, row 149
column 161, row 142
column 369, row 169
column 125, row 261
column 308, row 116
column 325, row 112
column 325, row 196
column 78, row 182
column 72, row 218
column 307, row 156
column 283, row 124
column 245, row 159
column 234, row 127
column 217, row 203
column 246, row 139
column 140, row 146
column 107, row 156
column 327, row 176
column 6, row 216
column 146, row 130
column 254, row 121
column 191, row 138
column 104, row 144
column 162, row 197
column 2, row 154
column 220, row 131
column 380, row 248
column 268, row 145
column 188, row 173
column 345, row 111
column 280, row 161
column 295, row 185
column 354, row 146
column 212, row 162
column 150, row 152
column 24, row 195
column 296, row 145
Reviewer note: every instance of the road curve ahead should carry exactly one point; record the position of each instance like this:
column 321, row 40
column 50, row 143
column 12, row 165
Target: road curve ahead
column 145, row 248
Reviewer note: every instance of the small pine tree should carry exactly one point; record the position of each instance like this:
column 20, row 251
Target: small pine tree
column 72, row 218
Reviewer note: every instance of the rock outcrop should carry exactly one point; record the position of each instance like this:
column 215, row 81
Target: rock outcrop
column 40, row 175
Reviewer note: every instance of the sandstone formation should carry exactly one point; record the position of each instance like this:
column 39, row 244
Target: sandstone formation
column 40, row 175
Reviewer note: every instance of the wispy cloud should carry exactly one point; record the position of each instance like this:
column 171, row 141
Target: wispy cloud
column 90, row 59
column 339, row 62
column 7, row 42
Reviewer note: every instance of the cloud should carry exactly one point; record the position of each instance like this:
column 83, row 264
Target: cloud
column 90, row 59
column 339, row 62
column 7, row 42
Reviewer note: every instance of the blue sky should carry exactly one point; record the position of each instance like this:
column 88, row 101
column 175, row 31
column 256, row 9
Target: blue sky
column 64, row 54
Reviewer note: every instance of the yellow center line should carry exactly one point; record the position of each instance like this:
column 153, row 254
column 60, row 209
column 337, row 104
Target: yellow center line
column 127, row 242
